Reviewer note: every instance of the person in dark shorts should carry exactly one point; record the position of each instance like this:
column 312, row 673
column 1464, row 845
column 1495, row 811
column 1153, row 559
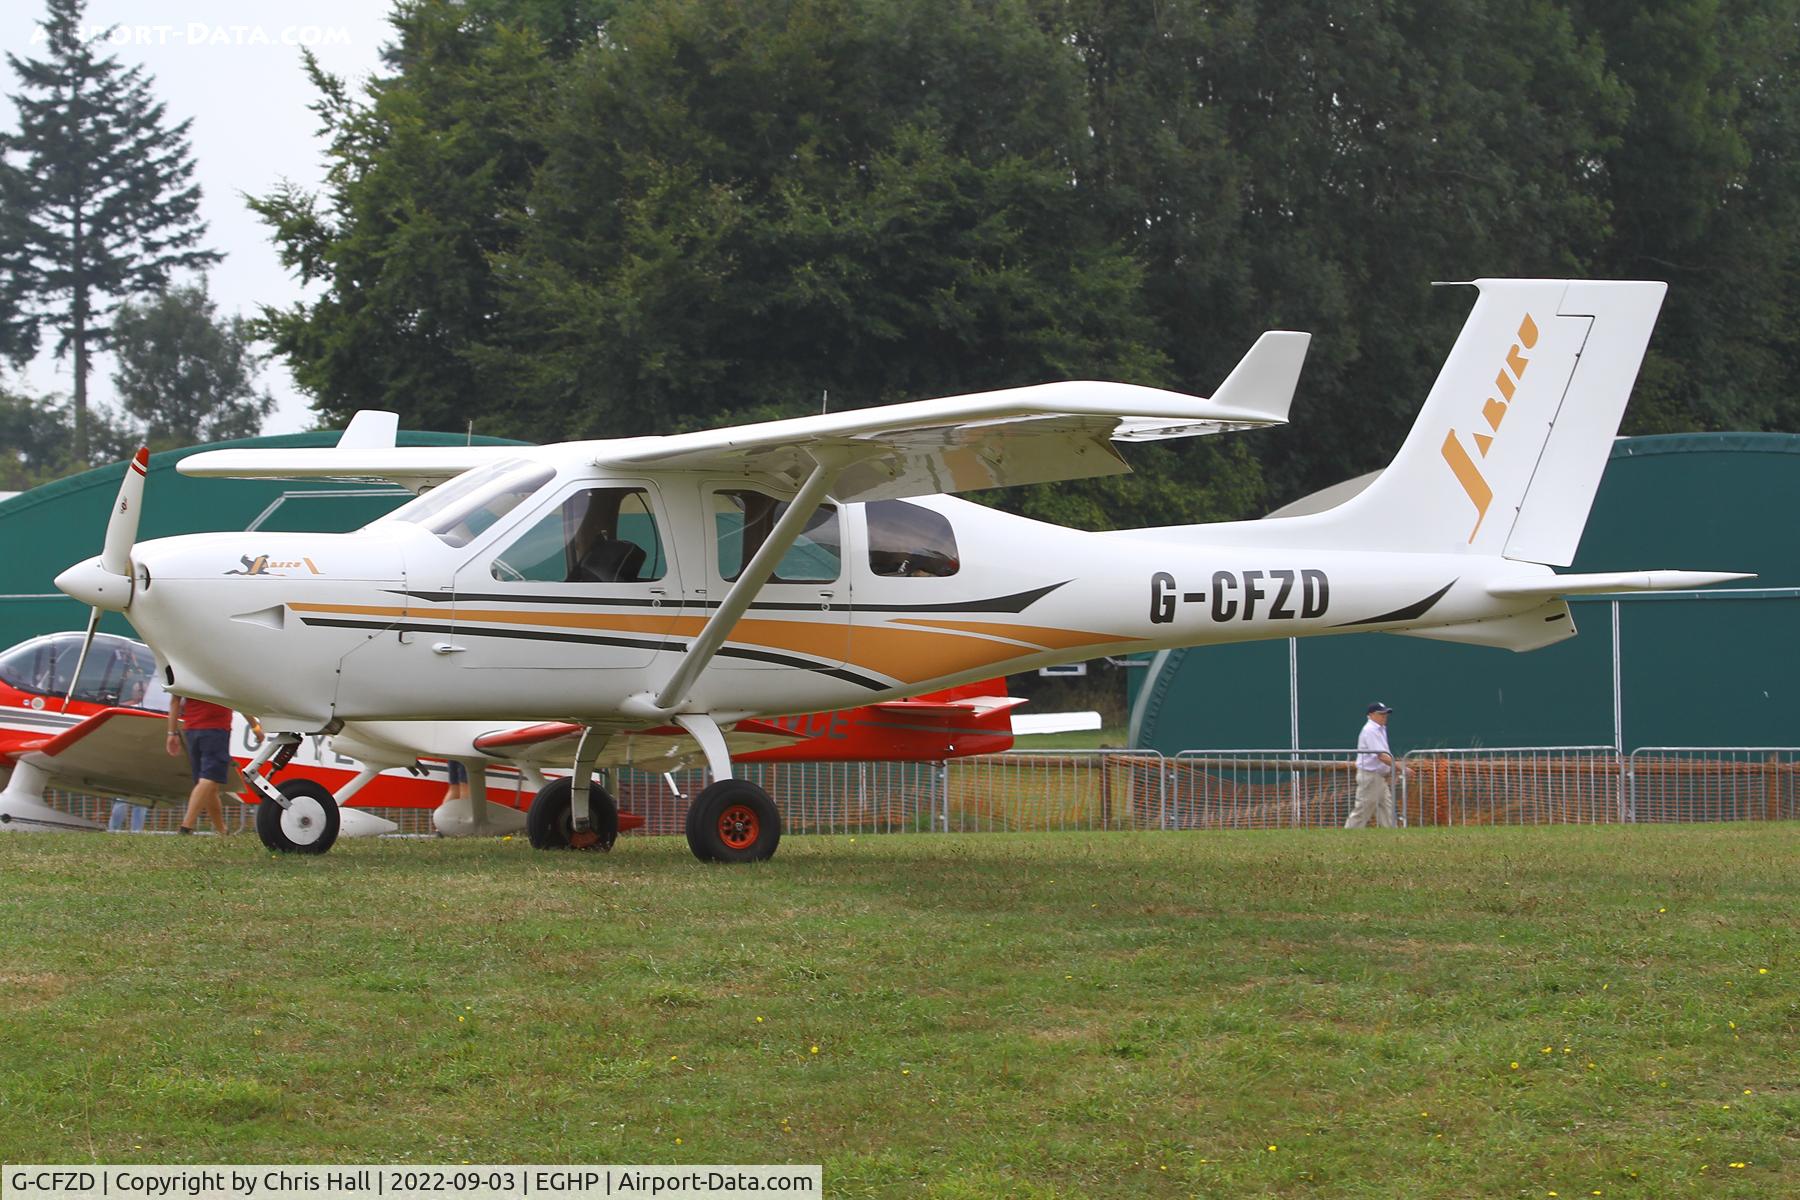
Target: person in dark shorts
column 459, row 782
column 208, row 745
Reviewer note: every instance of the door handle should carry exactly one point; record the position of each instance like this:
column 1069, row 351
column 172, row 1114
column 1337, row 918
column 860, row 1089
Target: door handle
column 446, row 648
column 825, row 600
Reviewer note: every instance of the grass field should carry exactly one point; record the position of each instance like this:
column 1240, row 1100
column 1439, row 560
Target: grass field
column 1472, row 1012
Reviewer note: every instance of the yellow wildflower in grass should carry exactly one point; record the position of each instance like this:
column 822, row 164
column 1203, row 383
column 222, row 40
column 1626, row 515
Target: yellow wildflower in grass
column 678, row 1141
column 759, row 1020
column 1739, row 1166
column 815, row 1049
column 1515, row 1066
column 1271, row 1147
column 1762, row 970
column 1545, row 1050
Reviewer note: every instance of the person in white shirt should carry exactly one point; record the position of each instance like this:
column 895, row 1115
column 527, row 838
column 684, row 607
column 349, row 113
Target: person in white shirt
column 1374, row 772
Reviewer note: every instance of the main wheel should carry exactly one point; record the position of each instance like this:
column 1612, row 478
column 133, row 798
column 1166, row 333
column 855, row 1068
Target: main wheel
column 308, row 825
column 551, row 821
column 733, row 820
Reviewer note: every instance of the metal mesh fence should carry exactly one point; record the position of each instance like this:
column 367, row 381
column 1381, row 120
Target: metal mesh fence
column 1679, row 783
column 1042, row 791
column 1542, row 785
column 1261, row 789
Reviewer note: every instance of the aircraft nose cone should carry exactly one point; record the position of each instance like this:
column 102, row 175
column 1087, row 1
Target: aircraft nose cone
column 93, row 584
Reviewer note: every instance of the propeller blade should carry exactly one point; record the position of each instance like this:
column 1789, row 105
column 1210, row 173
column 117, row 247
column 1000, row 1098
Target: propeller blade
column 122, row 528
column 88, row 641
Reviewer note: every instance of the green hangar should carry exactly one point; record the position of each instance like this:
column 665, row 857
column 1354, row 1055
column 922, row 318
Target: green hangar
column 51, row 527
column 1719, row 667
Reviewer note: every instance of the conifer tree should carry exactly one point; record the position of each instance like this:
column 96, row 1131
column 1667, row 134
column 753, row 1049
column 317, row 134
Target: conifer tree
column 99, row 199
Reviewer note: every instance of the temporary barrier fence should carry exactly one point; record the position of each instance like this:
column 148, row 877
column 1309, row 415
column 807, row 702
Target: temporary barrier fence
column 1513, row 785
column 1046, row 791
column 1688, row 783
column 1261, row 789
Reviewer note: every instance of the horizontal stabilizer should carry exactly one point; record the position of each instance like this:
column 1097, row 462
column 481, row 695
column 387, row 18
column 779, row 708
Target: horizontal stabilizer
column 1614, row 581
column 1542, row 626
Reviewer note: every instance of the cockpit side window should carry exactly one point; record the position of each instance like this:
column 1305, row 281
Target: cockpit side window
column 907, row 540
column 459, row 510
column 116, row 671
column 597, row 535
column 743, row 520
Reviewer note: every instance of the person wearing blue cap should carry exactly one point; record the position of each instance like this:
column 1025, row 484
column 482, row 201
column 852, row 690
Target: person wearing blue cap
column 1374, row 772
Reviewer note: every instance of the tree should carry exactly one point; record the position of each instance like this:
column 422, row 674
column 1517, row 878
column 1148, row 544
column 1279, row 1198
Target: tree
column 188, row 376
column 98, row 198
column 37, row 438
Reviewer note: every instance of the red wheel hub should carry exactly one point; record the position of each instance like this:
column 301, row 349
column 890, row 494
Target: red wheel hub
column 739, row 827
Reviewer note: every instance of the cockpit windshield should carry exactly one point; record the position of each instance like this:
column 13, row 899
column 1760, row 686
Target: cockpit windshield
column 116, row 672
column 459, row 510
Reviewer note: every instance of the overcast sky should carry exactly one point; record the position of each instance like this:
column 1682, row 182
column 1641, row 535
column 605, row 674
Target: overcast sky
column 235, row 69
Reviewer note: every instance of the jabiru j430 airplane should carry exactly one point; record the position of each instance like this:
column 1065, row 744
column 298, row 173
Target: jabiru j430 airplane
column 794, row 566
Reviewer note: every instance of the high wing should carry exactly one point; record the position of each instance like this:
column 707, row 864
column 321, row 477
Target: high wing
column 116, row 752
column 414, row 467
column 1035, row 434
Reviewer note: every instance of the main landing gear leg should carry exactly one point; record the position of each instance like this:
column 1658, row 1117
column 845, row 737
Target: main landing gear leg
column 731, row 820
column 582, row 834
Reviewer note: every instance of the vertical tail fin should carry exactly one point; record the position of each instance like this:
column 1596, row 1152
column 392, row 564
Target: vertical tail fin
column 1507, row 454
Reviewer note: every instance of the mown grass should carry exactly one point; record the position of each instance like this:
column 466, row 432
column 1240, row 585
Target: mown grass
column 1469, row 1012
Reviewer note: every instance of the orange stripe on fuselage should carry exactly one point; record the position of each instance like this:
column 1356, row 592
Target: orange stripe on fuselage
column 910, row 655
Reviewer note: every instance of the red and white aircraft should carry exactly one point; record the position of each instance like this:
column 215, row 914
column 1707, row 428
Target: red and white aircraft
column 93, row 738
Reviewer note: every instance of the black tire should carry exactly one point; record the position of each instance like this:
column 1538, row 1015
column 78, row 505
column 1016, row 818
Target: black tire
column 308, row 829
column 733, row 821
column 551, row 822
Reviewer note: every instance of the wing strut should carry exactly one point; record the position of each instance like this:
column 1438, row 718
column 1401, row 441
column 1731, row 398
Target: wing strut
column 828, row 461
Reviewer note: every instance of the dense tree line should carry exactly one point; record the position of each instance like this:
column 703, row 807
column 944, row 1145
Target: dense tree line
column 568, row 218
column 98, row 201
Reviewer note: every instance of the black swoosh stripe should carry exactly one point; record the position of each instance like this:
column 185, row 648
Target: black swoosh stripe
column 594, row 639
column 1416, row 609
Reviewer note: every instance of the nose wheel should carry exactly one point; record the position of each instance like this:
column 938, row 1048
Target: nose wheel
column 733, row 820
column 309, row 823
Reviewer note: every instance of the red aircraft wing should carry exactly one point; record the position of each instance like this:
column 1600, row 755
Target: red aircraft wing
column 117, row 751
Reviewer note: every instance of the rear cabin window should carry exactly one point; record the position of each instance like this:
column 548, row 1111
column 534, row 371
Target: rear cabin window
column 906, row 540
column 597, row 535
column 742, row 522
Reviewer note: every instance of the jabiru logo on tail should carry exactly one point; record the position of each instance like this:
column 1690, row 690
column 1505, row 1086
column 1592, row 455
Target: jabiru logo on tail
column 1506, row 382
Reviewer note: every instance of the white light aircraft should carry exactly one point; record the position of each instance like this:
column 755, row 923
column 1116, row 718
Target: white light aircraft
column 800, row 565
